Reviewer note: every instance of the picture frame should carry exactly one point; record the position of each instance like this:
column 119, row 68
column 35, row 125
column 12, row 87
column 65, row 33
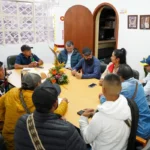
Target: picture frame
column 145, row 22
column 132, row 21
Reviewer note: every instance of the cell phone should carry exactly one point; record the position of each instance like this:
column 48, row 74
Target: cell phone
column 92, row 85
column 40, row 67
column 80, row 112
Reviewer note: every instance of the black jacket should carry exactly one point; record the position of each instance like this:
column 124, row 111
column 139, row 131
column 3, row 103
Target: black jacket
column 54, row 133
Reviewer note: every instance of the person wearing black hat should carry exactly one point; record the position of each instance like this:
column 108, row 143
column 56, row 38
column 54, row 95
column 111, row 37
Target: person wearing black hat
column 89, row 64
column 27, row 59
column 44, row 129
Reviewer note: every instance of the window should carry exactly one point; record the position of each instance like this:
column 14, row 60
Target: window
column 26, row 22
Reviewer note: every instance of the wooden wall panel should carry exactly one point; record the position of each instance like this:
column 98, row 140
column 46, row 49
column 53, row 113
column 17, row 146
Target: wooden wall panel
column 78, row 27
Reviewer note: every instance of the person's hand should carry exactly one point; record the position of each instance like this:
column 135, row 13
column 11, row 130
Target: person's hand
column 43, row 75
column 30, row 65
column 35, row 64
column 65, row 100
column 78, row 75
column 73, row 72
column 63, row 118
column 141, row 81
column 100, row 82
column 88, row 112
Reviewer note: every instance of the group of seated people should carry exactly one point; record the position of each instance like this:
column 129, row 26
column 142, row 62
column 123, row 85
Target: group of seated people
column 33, row 119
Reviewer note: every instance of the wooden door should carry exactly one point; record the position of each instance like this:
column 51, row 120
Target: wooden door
column 78, row 27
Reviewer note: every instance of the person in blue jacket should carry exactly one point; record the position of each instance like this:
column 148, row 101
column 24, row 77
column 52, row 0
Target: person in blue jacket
column 128, row 87
column 69, row 56
column 89, row 64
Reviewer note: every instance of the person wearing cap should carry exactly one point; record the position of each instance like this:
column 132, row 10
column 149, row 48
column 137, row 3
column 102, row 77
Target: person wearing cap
column 12, row 107
column 27, row 59
column 53, row 132
column 146, row 63
column 89, row 64
column 69, row 56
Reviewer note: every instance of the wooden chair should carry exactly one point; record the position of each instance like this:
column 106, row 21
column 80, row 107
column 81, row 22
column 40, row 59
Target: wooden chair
column 145, row 143
column 141, row 140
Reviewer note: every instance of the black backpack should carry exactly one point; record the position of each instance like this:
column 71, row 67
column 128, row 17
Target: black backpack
column 135, row 117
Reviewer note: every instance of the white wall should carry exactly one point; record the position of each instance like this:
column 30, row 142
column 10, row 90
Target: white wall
column 136, row 41
column 40, row 49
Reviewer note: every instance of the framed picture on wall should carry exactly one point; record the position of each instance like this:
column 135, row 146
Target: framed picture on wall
column 145, row 22
column 132, row 21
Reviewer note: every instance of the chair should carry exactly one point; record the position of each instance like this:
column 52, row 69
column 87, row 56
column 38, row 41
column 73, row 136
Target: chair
column 11, row 61
column 145, row 143
column 103, row 66
column 136, row 74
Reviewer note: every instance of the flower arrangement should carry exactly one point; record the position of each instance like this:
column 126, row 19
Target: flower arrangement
column 56, row 73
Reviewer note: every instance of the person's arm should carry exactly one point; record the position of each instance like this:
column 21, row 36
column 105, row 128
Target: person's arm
column 78, row 66
column 37, row 59
column 74, row 141
column 60, row 58
column 147, row 88
column 90, row 130
column 62, row 108
column 18, row 64
column 96, row 73
column 102, row 99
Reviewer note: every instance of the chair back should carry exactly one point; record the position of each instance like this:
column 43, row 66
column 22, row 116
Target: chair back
column 11, row 61
column 147, row 147
column 103, row 66
column 135, row 74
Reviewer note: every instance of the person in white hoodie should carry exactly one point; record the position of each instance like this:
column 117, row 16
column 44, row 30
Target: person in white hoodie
column 107, row 130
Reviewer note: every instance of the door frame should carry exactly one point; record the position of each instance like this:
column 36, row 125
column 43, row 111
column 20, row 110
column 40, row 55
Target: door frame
column 97, row 13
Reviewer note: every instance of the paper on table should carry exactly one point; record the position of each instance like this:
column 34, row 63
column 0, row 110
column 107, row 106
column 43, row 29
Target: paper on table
column 59, row 100
column 27, row 69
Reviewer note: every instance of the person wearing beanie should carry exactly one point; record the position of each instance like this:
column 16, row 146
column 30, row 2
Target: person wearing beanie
column 89, row 65
column 27, row 59
column 44, row 129
column 12, row 107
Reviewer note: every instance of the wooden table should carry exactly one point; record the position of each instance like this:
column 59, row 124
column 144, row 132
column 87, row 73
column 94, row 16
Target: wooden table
column 78, row 93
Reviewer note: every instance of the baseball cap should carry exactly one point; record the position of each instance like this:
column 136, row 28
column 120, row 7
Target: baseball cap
column 30, row 80
column 145, row 61
column 45, row 95
column 86, row 51
column 26, row 47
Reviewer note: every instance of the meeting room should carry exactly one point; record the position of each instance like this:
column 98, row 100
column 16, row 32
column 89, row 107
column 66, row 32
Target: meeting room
column 74, row 75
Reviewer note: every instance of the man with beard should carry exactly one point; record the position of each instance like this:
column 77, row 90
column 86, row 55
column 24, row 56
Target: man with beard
column 89, row 65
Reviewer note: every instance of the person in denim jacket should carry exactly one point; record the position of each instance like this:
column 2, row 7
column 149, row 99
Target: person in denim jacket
column 128, row 87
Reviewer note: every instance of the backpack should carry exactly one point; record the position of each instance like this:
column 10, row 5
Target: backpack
column 135, row 117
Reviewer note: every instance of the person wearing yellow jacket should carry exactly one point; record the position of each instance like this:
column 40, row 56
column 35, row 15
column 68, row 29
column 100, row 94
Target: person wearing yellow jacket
column 11, row 107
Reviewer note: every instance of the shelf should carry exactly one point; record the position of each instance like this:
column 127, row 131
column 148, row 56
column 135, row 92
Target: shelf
column 107, row 41
column 107, row 28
